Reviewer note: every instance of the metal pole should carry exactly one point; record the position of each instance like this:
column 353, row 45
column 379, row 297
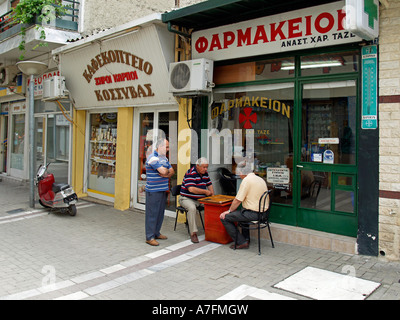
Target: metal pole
column 31, row 143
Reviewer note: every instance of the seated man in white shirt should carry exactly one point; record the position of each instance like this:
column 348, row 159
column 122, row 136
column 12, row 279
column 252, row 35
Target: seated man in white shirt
column 249, row 194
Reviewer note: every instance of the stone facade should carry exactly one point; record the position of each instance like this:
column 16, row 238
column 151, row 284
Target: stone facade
column 389, row 130
column 98, row 15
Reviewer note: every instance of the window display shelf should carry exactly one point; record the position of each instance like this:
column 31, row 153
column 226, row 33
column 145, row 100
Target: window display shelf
column 103, row 150
column 110, row 162
column 102, row 141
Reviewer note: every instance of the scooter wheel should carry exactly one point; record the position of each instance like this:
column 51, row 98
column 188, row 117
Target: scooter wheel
column 72, row 210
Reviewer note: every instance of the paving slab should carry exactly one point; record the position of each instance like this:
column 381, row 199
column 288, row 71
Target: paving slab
column 101, row 254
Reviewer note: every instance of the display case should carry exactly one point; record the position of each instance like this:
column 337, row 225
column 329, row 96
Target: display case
column 102, row 152
column 103, row 146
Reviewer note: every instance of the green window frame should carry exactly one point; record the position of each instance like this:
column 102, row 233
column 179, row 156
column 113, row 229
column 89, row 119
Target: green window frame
column 341, row 220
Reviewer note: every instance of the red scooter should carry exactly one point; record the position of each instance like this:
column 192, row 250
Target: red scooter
column 55, row 196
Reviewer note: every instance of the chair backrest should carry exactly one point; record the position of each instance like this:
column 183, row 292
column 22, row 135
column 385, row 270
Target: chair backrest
column 314, row 189
column 176, row 191
column 265, row 201
column 227, row 181
column 224, row 172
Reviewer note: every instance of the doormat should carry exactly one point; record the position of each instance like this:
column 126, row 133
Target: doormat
column 327, row 285
column 15, row 211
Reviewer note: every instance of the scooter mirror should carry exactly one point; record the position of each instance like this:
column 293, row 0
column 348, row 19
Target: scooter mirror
column 41, row 171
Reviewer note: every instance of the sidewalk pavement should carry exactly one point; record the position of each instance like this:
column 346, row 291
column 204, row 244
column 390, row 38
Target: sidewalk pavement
column 101, row 254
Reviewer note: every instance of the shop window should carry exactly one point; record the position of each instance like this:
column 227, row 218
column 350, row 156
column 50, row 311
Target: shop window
column 329, row 122
column 62, row 138
column 254, row 71
column 155, row 126
column 52, row 131
column 18, row 141
column 273, row 69
column 3, row 138
column 345, row 188
column 318, row 188
column 145, row 149
column 103, row 147
column 49, row 106
column 330, row 63
column 345, row 181
column 344, row 201
column 254, row 124
column 315, row 190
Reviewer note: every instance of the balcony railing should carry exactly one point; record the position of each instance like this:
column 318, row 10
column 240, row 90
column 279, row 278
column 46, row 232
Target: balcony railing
column 69, row 20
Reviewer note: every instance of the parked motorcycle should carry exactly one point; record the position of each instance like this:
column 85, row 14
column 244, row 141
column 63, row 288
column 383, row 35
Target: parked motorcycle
column 55, row 196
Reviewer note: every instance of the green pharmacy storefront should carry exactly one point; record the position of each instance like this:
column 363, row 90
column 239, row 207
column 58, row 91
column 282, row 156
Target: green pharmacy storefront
column 293, row 82
column 305, row 134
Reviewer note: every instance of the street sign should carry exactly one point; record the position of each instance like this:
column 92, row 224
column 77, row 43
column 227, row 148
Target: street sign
column 369, row 115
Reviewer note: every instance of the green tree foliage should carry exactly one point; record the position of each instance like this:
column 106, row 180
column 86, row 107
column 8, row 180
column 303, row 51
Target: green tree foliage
column 38, row 12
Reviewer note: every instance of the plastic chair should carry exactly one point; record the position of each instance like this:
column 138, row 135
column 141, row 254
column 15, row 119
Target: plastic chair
column 176, row 192
column 262, row 222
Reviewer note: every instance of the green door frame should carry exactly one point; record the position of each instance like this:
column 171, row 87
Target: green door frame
column 328, row 221
column 332, row 221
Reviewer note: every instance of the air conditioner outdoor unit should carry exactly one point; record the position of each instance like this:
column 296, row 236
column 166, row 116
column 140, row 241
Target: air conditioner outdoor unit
column 191, row 77
column 8, row 76
column 54, row 88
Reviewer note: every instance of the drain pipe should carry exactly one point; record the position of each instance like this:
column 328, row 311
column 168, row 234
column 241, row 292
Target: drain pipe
column 186, row 35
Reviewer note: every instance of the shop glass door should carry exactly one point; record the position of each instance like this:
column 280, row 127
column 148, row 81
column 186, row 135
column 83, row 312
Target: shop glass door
column 102, row 155
column 52, row 144
column 18, row 141
column 52, row 137
column 153, row 126
column 3, row 143
column 326, row 170
column 57, row 150
column 40, row 140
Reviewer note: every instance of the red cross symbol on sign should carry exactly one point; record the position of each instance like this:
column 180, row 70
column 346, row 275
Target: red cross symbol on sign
column 247, row 118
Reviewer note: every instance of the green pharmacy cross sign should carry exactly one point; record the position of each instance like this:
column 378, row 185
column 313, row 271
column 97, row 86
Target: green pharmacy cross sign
column 371, row 9
column 362, row 18
column 369, row 118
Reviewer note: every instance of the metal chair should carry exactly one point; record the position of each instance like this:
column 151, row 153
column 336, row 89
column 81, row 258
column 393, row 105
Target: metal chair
column 314, row 192
column 262, row 222
column 227, row 181
column 176, row 192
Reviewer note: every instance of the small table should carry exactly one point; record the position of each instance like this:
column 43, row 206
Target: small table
column 213, row 207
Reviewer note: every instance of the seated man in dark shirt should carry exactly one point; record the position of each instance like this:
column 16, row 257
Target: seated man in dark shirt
column 195, row 185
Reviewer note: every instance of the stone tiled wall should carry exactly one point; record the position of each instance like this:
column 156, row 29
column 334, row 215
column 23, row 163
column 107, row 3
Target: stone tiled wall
column 104, row 14
column 389, row 130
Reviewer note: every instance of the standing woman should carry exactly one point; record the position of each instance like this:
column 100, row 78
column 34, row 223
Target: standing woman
column 158, row 171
